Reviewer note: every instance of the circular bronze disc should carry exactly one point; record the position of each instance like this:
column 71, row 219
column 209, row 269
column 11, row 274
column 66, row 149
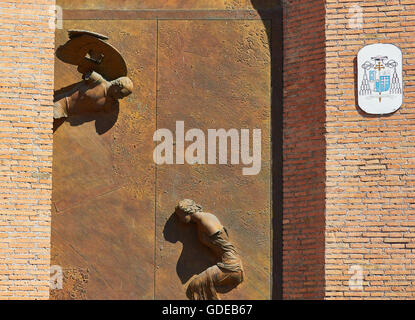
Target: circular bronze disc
column 90, row 53
column 77, row 33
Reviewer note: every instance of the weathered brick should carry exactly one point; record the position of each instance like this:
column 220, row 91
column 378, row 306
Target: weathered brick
column 26, row 89
column 387, row 164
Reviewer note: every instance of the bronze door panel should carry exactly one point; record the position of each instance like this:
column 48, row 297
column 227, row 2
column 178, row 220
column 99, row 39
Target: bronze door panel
column 113, row 232
column 103, row 182
column 212, row 75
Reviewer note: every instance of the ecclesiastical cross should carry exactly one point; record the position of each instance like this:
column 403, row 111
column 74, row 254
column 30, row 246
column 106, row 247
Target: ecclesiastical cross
column 379, row 66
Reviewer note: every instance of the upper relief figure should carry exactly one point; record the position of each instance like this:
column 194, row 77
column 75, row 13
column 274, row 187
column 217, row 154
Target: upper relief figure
column 104, row 76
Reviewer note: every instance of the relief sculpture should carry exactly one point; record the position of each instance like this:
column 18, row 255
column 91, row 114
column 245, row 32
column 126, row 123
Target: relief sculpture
column 228, row 272
column 125, row 181
column 104, row 76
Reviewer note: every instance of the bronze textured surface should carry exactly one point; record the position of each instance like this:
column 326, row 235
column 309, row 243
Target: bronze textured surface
column 167, row 14
column 167, row 4
column 214, row 74
column 103, row 178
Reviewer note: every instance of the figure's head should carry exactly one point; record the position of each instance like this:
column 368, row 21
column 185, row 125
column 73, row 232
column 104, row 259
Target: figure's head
column 120, row 88
column 186, row 208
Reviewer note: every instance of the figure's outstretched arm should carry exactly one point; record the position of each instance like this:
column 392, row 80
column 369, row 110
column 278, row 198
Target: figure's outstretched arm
column 92, row 77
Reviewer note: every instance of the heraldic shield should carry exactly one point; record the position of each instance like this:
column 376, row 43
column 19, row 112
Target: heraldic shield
column 380, row 84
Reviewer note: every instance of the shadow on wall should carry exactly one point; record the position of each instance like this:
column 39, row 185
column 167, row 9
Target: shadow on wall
column 299, row 110
column 187, row 265
column 272, row 19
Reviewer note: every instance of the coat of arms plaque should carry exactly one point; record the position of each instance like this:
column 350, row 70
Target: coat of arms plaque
column 380, row 85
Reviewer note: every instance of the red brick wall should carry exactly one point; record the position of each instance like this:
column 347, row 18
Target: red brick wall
column 26, row 93
column 349, row 178
column 370, row 207
column 303, row 149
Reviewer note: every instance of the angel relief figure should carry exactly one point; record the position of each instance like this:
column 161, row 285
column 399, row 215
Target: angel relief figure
column 104, row 77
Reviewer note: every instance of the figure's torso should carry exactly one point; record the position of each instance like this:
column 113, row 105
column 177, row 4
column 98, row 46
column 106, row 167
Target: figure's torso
column 219, row 243
column 89, row 98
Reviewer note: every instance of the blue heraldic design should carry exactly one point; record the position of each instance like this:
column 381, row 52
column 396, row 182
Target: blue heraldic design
column 383, row 84
column 379, row 79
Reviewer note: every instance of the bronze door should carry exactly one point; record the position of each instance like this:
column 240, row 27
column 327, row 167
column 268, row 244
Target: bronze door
column 113, row 232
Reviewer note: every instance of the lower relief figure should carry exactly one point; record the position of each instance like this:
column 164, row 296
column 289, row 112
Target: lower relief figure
column 228, row 272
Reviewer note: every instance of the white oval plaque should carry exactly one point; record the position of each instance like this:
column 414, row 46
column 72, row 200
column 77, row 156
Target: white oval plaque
column 380, row 84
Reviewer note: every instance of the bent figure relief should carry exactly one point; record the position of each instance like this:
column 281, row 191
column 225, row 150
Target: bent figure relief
column 103, row 72
column 228, row 272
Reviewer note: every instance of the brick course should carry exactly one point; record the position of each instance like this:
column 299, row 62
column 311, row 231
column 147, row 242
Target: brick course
column 303, row 149
column 370, row 181
column 357, row 210
column 26, row 94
